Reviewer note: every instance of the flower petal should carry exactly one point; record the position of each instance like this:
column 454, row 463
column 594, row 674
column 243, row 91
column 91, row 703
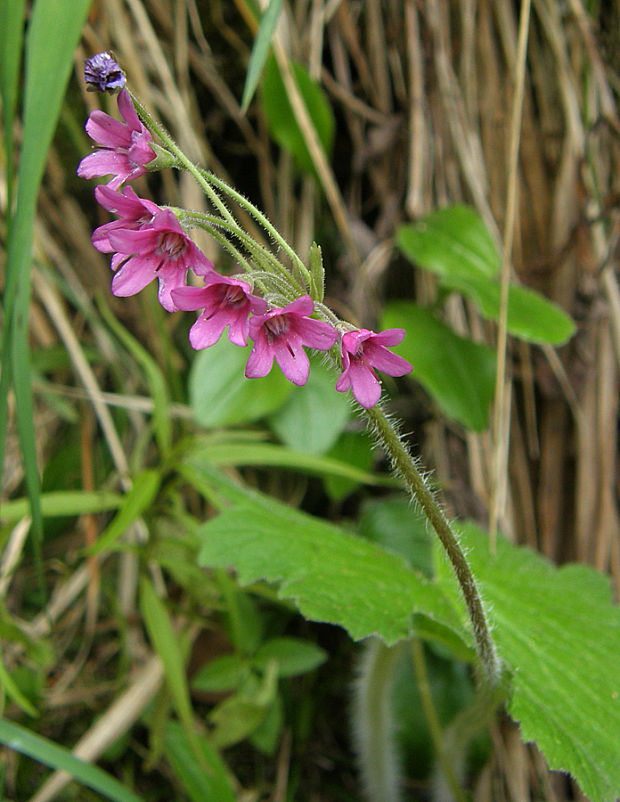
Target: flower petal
column 316, row 333
column 292, row 360
column 384, row 360
column 132, row 277
column 260, row 360
column 106, row 131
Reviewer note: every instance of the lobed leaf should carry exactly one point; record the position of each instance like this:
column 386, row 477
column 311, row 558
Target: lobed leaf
column 559, row 633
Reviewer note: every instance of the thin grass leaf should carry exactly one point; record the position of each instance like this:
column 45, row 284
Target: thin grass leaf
column 52, row 35
column 11, row 40
column 23, row 740
column 13, row 692
column 268, row 23
column 139, row 499
column 164, row 640
column 60, row 503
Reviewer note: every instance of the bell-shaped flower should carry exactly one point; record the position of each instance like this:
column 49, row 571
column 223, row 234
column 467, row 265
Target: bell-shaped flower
column 125, row 145
column 134, row 213
column 162, row 251
column 223, row 301
column 364, row 350
column 280, row 334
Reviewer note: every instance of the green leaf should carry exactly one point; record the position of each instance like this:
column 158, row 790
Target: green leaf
column 313, row 416
column 57, row 757
column 351, row 448
column 202, row 785
column 559, row 633
column 162, row 636
column 530, row 316
column 11, row 40
column 452, row 242
column 220, row 395
column 13, row 692
column 458, row 373
column 455, row 244
column 281, row 119
column 224, row 673
column 268, row 23
column 63, row 503
column 293, row 655
column 397, row 526
column 53, row 33
column 330, row 574
column 274, row 455
column 240, row 715
column 139, row 499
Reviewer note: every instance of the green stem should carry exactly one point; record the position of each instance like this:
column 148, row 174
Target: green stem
column 259, row 217
column 404, row 464
column 160, row 132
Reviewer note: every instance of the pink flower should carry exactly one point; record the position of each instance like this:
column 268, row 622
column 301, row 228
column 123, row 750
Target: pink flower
column 162, row 251
column 126, row 147
column 364, row 350
column 224, row 301
column 135, row 213
column 281, row 333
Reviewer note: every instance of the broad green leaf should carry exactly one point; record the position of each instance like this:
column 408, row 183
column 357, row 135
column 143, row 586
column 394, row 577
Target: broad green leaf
column 294, row 656
column 266, row 736
column 530, row 316
column 455, row 244
column 139, row 499
column 63, row 503
column 57, row 757
column 331, row 574
column 260, row 50
column 220, row 395
column 559, row 633
column 313, row 416
column 397, row 526
column 210, row 784
column 351, row 448
column 452, row 242
column 281, row 119
column 458, row 373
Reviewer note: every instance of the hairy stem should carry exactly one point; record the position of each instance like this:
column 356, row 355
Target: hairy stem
column 404, row 464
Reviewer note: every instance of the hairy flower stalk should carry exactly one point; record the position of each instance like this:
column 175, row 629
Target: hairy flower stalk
column 404, row 464
column 151, row 242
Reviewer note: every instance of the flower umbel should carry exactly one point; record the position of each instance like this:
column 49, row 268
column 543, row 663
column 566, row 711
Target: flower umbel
column 126, row 146
column 134, row 213
column 162, row 251
column 364, row 350
column 102, row 74
column 280, row 335
column 224, row 301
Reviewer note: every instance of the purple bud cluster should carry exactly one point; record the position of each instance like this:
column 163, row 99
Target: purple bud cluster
column 147, row 242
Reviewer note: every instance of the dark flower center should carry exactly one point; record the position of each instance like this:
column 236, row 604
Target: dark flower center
column 229, row 295
column 171, row 245
column 276, row 327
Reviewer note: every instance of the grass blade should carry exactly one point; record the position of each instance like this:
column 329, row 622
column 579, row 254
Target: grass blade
column 28, row 743
column 268, row 23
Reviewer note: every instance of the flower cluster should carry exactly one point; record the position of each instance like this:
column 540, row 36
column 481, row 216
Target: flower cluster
column 147, row 241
